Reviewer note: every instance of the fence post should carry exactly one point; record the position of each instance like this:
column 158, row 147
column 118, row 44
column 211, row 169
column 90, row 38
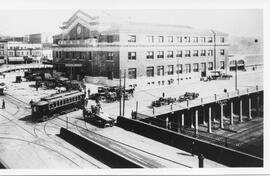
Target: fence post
column 215, row 96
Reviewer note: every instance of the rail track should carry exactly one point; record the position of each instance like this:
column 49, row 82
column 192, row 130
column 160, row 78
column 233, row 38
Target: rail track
column 22, row 105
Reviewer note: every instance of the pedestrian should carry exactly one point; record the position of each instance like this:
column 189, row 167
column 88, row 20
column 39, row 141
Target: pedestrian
column 86, row 102
column 31, row 102
column 89, row 91
column 3, row 104
column 163, row 94
column 4, row 75
column 225, row 90
column 192, row 148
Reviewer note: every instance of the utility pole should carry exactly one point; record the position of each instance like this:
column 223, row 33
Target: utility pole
column 236, row 74
column 124, row 92
column 215, row 59
column 178, row 67
column 120, row 103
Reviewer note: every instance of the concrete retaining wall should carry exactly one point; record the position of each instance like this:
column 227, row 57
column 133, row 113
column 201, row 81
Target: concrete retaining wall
column 213, row 152
column 99, row 152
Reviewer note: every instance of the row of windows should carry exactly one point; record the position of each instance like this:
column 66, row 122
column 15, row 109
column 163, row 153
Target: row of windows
column 178, row 39
column 132, row 72
column 170, row 54
column 65, row 101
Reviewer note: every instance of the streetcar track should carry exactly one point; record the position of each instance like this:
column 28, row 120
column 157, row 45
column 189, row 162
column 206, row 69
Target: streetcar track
column 57, row 143
column 76, row 126
column 125, row 144
column 44, row 146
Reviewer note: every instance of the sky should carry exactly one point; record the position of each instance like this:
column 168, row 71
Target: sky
column 235, row 22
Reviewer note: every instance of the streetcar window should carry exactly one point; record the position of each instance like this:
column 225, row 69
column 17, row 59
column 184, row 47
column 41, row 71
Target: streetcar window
column 61, row 102
column 51, row 106
column 70, row 100
column 54, row 104
column 65, row 101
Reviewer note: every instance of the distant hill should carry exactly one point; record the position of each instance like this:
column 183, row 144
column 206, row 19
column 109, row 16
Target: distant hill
column 245, row 45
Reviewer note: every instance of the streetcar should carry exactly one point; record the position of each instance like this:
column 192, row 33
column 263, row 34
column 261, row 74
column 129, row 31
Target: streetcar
column 56, row 104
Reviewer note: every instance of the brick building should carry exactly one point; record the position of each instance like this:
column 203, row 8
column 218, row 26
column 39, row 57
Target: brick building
column 151, row 54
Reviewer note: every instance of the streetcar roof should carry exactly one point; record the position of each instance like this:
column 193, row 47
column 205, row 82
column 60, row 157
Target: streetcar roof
column 61, row 95
column 41, row 103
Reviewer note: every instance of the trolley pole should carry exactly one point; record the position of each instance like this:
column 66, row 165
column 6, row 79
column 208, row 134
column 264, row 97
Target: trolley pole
column 120, row 101
column 124, row 92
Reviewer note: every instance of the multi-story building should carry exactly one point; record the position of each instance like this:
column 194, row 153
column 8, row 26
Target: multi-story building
column 18, row 52
column 150, row 54
column 40, row 38
column 3, row 52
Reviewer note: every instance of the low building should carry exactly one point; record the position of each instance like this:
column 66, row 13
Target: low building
column 19, row 52
column 3, row 52
column 150, row 54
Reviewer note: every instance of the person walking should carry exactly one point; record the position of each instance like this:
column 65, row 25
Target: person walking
column 3, row 104
column 163, row 94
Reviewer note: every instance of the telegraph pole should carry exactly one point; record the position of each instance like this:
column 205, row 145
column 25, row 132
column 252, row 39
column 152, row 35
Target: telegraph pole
column 120, row 103
column 236, row 74
column 124, row 92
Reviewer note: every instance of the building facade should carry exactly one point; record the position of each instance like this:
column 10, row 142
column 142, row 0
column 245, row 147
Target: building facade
column 3, row 52
column 19, row 52
column 150, row 54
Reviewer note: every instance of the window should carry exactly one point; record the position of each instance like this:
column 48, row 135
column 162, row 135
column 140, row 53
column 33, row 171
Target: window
column 203, row 52
column 222, row 52
column 60, row 54
column 170, row 39
column 210, row 65
column 210, row 53
column 188, row 68
column 132, row 73
column 195, row 67
column 222, row 39
column 195, row 39
column 179, row 39
column 150, row 39
column 203, row 40
column 56, row 54
column 196, row 53
column 160, row 54
column 210, row 39
column 131, row 55
column 160, row 70
column 187, row 39
column 160, row 39
column 170, row 54
column 170, row 69
column 179, row 54
column 187, row 53
column 179, row 68
column 150, row 55
column 109, row 38
column 150, row 71
column 222, row 65
column 131, row 38
column 110, row 56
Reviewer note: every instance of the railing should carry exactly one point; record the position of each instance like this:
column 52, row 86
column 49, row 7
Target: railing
column 215, row 98
column 209, row 137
